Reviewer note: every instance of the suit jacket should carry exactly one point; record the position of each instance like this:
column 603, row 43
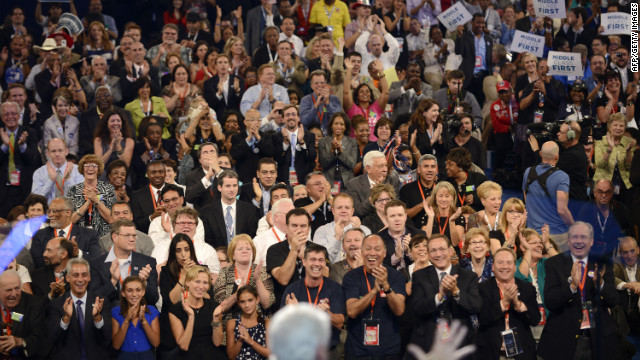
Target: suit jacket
column 202, row 35
column 391, row 246
column 360, row 190
column 402, row 102
column 45, row 90
column 101, row 278
column 304, row 162
column 138, row 167
column 87, row 240
column 135, row 109
column 26, row 162
column 196, row 193
column 254, row 27
column 221, row 105
column 559, row 340
column 584, row 38
column 67, row 342
column 628, row 300
column 215, row 230
column 347, row 158
column 466, row 47
column 30, row 327
column 492, row 320
column 524, row 24
column 424, row 288
column 246, row 157
column 142, row 207
column 144, row 244
column 40, row 280
column 90, row 89
column 247, row 194
column 88, row 123
column 126, row 86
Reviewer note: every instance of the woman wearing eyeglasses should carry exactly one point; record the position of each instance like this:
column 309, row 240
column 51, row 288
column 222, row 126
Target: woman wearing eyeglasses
column 476, row 254
column 381, row 194
column 92, row 199
column 512, row 220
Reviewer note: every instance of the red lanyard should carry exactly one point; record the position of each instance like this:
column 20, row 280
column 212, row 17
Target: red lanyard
column 61, row 187
column 465, row 196
column 55, row 231
column 422, row 192
column 235, row 271
column 443, row 227
column 506, row 314
column 7, row 320
column 584, row 277
column 320, row 113
column 90, row 213
column 320, row 289
column 128, row 272
column 276, row 234
column 366, row 114
column 373, row 301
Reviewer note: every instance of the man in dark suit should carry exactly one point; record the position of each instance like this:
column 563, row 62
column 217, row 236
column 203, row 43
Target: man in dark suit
column 578, row 291
column 530, row 23
column 146, row 202
column 415, row 193
column 256, row 23
column 506, row 299
column 79, row 322
column 91, row 117
column 60, row 226
column 397, row 234
column 627, row 278
column 476, row 64
column 249, row 146
column 225, row 96
column 22, row 317
column 200, row 182
column 225, row 218
column 297, row 144
column 375, row 163
column 122, row 261
column 442, row 292
column 19, row 158
column 194, row 33
column 152, row 147
column 258, row 192
column 138, row 67
column 47, row 82
column 48, row 282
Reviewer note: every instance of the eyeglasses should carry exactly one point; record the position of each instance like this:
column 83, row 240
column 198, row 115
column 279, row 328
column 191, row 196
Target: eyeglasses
column 316, row 184
column 56, row 211
column 130, row 236
column 90, row 166
column 186, row 223
column 602, row 192
column 511, row 212
column 385, row 200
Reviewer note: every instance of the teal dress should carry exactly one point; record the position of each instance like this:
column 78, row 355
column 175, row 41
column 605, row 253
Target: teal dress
column 529, row 278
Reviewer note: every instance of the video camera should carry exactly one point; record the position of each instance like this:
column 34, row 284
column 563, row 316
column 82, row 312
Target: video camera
column 544, row 131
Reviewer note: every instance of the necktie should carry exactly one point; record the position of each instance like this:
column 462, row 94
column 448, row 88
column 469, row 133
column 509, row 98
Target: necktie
column 581, row 268
column 12, row 146
column 81, row 323
column 62, row 234
column 442, row 275
column 228, row 219
column 159, row 199
column 58, row 192
column 293, row 148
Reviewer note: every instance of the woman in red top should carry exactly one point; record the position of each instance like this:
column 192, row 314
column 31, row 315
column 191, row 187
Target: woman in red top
column 176, row 15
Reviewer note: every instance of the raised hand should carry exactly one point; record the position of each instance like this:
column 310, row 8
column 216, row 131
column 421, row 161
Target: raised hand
column 68, row 309
column 144, row 272
column 97, row 309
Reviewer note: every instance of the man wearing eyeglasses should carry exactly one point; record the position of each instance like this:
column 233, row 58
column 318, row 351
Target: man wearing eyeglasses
column 158, row 53
column 122, row 211
column 109, row 270
column 609, row 218
column 375, row 163
column 59, row 214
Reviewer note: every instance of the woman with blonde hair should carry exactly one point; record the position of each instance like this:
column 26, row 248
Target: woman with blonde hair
column 313, row 49
column 238, row 55
column 512, row 220
column 443, row 214
column 97, row 42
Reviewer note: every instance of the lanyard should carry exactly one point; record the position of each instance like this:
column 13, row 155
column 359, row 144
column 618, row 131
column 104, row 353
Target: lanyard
column 276, row 234
column 461, row 198
column 61, row 186
column 320, row 113
column 373, row 301
column 153, row 198
column 422, row 192
column 366, row 114
column 128, row 273
column 602, row 224
column 506, row 314
column 495, row 225
column 55, row 231
column 271, row 57
column 6, row 317
column 149, row 109
column 319, row 289
column 90, row 213
column 329, row 14
column 443, row 227
column 235, row 271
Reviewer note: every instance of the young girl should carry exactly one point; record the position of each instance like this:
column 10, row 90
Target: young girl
column 247, row 333
column 135, row 325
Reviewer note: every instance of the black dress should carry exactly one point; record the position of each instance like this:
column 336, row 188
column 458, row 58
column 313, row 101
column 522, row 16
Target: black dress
column 201, row 346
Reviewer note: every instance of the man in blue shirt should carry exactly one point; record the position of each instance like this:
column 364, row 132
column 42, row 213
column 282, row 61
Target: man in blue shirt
column 263, row 95
column 548, row 204
column 57, row 176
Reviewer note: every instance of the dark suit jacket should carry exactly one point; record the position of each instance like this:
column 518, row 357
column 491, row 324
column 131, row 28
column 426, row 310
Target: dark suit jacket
column 45, row 90
column 40, row 281
column 87, row 240
column 101, row 278
column 220, row 105
column 67, row 342
column 30, row 327
column 390, row 243
column 142, row 207
column 88, row 124
column 558, row 340
column 246, row 158
column 202, row 35
column 466, row 47
column 424, row 288
column 138, row 167
column 585, row 37
column 360, row 189
column 127, row 86
column 196, row 193
column 215, row 231
column 492, row 320
column 26, row 163
column 254, row 30
column 247, row 195
column 304, row 162
column 524, row 24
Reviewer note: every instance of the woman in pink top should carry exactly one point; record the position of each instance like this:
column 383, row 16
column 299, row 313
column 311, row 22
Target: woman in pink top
column 361, row 101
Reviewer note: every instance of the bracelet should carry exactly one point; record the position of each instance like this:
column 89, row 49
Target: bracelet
column 216, row 324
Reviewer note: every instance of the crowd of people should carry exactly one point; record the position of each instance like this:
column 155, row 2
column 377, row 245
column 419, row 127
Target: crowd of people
column 168, row 187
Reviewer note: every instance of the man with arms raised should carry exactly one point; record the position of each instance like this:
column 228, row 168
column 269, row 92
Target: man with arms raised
column 297, row 156
column 258, row 192
column 200, row 182
column 318, row 202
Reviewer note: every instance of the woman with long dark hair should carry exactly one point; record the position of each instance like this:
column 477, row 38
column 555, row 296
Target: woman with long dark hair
column 427, row 134
column 113, row 139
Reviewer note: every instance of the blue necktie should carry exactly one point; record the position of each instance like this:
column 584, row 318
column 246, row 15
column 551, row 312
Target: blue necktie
column 228, row 219
column 81, row 323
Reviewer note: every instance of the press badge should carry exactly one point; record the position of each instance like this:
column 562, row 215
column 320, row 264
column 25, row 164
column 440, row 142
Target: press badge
column 478, row 61
column 511, row 342
column 337, row 186
column 371, row 332
column 329, row 28
column 443, row 328
column 16, row 316
column 293, row 176
column 470, row 188
column 587, row 316
column 537, row 116
column 543, row 315
column 14, row 178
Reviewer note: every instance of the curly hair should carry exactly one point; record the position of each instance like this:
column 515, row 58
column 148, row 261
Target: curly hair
column 461, row 157
column 102, row 129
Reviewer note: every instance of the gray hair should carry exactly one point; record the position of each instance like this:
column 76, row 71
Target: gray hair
column 370, row 156
column 426, row 157
column 353, row 229
column 9, row 273
column 276, row 206
column 68, row 203
column 96, row 57
column 4, row 105
column 103, row 86
column 578, row 223
column 299, row 332
column 77, row 261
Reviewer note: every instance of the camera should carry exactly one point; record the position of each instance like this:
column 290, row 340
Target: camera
column 544, row 131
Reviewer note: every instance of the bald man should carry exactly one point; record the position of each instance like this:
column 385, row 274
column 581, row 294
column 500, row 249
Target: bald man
column 546, row 191
column 55, row 177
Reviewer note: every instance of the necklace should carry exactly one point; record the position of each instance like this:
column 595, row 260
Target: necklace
column 197, row 311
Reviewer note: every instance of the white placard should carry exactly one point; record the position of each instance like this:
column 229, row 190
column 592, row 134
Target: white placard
column 564, row 63
column 455, row 16
column 526, row 42
column 555, row 9
column 616, row 23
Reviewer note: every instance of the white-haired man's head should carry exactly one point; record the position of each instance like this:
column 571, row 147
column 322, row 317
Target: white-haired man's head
column 299, row 332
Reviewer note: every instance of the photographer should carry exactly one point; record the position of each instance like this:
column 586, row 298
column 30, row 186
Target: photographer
column 462, row 128
column 572, row 158
column 451, row 97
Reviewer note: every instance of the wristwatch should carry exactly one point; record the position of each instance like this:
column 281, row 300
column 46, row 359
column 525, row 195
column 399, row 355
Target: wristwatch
column 570, row 279
column 387, row 292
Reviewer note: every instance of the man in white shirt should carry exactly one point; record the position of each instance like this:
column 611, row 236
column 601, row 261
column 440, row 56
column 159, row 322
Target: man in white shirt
column 330, row 235
column 288, row 27
column 55, row 177
column 370, row 46
column 276, row 233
